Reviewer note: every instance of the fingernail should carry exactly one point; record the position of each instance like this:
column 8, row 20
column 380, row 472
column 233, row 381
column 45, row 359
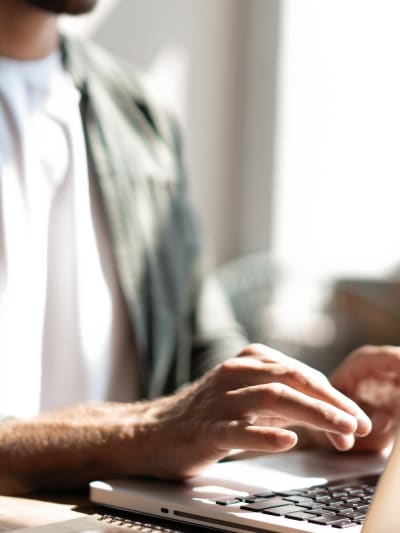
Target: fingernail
column 287, row 438
column 346, row 423
column 347, row 442
column 364, row 426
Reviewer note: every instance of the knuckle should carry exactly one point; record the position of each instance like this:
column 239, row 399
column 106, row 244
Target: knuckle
column 390, row 350
column 370, row 350
column 254, row 349
column 293, row 374
column 221, row 433
column 365, row 349
column 319, row 376
column 324, row 411
column 229, row 369
column 331, row 415
column 226, row 366
column 226, row 431
column 273, row 393
column 224, row 370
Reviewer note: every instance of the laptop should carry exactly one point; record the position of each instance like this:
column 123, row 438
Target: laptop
column 294, row 492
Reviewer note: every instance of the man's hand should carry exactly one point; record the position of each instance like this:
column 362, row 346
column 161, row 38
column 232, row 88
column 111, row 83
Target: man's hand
column 245, row 403
column 371, row 376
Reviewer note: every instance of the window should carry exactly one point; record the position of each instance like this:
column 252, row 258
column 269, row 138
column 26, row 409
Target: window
column 337, row 168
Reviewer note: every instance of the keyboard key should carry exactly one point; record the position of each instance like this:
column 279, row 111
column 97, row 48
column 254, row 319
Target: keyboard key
column 300, row 515
column 344, row 524
column 327, row 520
column 360, row 506
column 367, row 498
column 299, row 499
column 264, row 494
column 323, row 512
column 337, row 506
column 313, row 505
column 257, row 506
column 339, row 501
column 353, row 500
column 290, row 493
column 352, row 513
column 227, row 501
column 253, row 499
column 265, row 504
column 323, row 498
column 283, row 510
column 340, row 494
column 340, row 486
column 315, row 492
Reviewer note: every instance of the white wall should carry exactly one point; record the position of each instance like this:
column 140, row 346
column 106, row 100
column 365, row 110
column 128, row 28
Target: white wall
column 258, row 128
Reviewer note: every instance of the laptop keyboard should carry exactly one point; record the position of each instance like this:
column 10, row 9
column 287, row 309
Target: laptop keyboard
column 339, row 504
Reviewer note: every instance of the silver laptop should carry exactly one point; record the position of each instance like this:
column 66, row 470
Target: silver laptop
column 299, row 491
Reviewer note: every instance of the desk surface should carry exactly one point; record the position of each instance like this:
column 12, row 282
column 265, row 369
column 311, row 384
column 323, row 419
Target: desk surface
column 73, row 513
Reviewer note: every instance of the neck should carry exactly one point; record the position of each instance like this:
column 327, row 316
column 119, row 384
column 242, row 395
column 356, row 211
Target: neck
column 26, row 32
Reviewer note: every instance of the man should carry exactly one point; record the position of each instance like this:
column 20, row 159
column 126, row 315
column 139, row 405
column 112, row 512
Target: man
column 104, row 304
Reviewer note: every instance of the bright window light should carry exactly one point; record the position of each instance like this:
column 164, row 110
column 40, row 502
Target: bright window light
column 337, row 176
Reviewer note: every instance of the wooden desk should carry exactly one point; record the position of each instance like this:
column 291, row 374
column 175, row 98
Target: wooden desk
column 73, row 513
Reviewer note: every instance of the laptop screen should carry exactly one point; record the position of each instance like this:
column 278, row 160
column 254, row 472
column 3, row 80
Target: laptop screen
column 384, row 512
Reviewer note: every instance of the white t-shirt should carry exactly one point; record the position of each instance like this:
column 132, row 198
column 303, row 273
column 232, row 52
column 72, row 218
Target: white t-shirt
column 64, row 330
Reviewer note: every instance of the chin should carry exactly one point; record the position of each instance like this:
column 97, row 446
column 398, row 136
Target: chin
column 66, row 7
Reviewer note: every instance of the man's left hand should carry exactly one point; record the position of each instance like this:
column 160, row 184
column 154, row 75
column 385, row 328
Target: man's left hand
column 371, row 376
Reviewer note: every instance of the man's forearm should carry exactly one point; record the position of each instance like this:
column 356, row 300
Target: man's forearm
column 68, row 447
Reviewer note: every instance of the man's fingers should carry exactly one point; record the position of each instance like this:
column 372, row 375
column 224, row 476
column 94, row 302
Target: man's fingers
column 385, row 359
column 239, row 434
column 381, row 362
column 277, row 399
column 249, row 371
column 341, row 442
column 312, row 384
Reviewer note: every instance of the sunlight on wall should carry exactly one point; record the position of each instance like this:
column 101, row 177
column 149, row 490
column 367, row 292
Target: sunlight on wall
column 338, row 150
column 86, row 25
column 169, row 75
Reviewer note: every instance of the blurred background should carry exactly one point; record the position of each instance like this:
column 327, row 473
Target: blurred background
column 291, row 120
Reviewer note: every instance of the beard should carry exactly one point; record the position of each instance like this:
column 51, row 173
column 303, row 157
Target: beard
column 65, row 7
